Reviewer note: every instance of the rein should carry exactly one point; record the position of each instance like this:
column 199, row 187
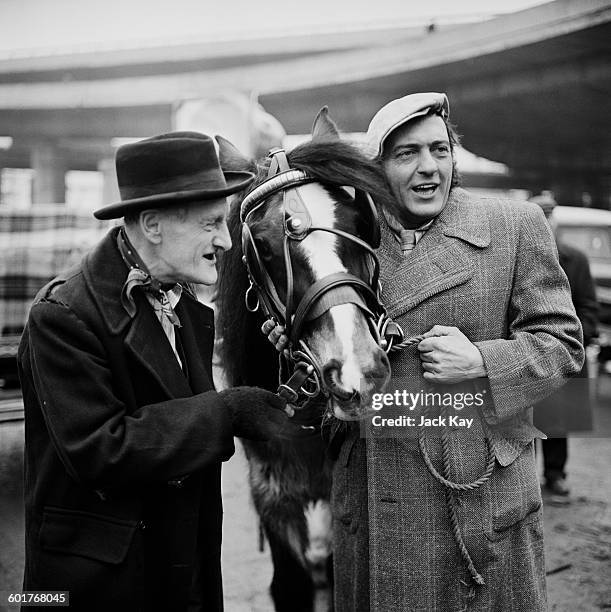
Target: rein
column 301, row 378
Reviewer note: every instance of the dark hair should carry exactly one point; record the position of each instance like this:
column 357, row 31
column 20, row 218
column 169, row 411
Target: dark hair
column 131, row 218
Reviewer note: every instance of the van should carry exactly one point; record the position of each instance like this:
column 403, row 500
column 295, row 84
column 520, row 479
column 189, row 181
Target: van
column 589, row 230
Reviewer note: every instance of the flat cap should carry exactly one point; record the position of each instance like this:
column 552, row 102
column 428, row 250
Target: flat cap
column 400, row 111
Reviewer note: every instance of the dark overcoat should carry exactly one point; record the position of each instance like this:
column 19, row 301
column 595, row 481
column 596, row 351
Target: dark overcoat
column 123, row 452
column 490, row 268
column 570, row 409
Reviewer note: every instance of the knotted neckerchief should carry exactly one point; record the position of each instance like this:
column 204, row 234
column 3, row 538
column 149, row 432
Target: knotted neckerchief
column 139, row 276
column 408, row 238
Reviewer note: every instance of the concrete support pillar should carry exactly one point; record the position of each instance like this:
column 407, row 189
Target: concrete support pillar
column 110, row 192
column 49, row 167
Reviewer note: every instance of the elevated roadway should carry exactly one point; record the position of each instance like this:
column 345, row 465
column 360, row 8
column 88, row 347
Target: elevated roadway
column 530, row 89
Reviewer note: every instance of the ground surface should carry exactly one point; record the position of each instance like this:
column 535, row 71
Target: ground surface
column 578, row 536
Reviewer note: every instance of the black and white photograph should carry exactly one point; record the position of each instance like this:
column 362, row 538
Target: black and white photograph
column 305, row 306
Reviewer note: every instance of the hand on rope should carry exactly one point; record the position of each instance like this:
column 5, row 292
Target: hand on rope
column 449, row 357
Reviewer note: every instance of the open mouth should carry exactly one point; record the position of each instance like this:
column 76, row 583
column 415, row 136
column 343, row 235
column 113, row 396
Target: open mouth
column 425, row 189
column 211, row 257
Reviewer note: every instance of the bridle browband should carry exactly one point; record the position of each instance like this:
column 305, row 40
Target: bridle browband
column 301, row 373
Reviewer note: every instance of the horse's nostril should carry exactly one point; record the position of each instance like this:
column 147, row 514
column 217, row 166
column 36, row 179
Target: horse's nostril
column 330, row 372
column 331, row 377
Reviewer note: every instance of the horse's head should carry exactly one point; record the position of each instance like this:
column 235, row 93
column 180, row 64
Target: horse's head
column 309, row 229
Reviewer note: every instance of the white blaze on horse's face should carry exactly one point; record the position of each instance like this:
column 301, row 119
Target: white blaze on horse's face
column 341, row 338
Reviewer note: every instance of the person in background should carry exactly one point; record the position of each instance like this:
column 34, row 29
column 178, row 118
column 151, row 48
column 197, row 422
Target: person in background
column 125, row 434
column 569, row 409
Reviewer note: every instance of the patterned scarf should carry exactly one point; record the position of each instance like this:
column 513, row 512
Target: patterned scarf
column 139, row 276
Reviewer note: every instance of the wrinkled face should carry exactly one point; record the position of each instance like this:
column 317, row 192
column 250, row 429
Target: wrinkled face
column 191, row 238
column 353, row 365
column 417, row 161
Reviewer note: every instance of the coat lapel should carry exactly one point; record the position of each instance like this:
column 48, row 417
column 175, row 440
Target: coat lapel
column 105, row 272
column 441, row 259
column 148, row 344
column 197, row 336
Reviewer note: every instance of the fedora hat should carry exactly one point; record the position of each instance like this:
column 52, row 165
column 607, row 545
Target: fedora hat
column 168, row 170
column 400, row 111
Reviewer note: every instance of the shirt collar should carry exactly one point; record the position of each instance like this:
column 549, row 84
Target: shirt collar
column 397, row 227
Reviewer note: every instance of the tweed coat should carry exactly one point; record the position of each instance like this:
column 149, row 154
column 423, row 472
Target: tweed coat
column 123, row 452
column 490, row 268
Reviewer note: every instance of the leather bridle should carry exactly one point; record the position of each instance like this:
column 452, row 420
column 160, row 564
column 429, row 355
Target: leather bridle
column 301, row 376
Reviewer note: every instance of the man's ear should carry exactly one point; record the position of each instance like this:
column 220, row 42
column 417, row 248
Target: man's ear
column 150, row 222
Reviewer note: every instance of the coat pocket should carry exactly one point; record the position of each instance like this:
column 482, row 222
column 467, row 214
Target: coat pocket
column 94, row 536
column 512, row 496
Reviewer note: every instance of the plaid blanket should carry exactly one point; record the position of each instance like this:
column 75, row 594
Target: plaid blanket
column 35, row 245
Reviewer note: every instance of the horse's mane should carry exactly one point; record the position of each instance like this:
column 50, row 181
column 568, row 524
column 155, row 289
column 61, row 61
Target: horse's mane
column 246, row 355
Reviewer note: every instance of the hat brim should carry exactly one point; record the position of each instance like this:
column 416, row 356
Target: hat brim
column 236, row 181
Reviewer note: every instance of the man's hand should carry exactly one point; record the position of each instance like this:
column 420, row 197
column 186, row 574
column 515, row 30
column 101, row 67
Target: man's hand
column 275, row 334
column 449, row 357
column 257, row 414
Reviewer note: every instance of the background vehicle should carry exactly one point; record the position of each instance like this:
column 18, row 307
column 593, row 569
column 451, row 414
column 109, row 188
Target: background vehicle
column 589, row 230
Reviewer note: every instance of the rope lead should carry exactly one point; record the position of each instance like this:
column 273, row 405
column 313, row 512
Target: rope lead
column 451, row 489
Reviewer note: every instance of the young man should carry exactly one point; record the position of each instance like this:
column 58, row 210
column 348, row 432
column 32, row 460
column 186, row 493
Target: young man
column 125, row 433
column 480, row 280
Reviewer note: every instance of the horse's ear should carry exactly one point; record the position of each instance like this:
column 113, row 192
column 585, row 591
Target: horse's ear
column 231, row 159
column 324, row 127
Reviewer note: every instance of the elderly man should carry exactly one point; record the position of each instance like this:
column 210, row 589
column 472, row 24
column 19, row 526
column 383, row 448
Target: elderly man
column 125, row 433
column 440, row 515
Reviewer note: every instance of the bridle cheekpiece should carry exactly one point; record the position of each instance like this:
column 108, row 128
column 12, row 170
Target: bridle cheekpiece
column 301, row 376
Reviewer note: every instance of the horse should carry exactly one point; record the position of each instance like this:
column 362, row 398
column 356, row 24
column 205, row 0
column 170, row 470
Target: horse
column 307, row 231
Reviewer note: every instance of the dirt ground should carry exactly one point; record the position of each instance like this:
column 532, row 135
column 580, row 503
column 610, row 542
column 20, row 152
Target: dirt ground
column 578, row 536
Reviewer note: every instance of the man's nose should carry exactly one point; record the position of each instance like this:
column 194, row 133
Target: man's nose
column 222, row 240
column 426, row 162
